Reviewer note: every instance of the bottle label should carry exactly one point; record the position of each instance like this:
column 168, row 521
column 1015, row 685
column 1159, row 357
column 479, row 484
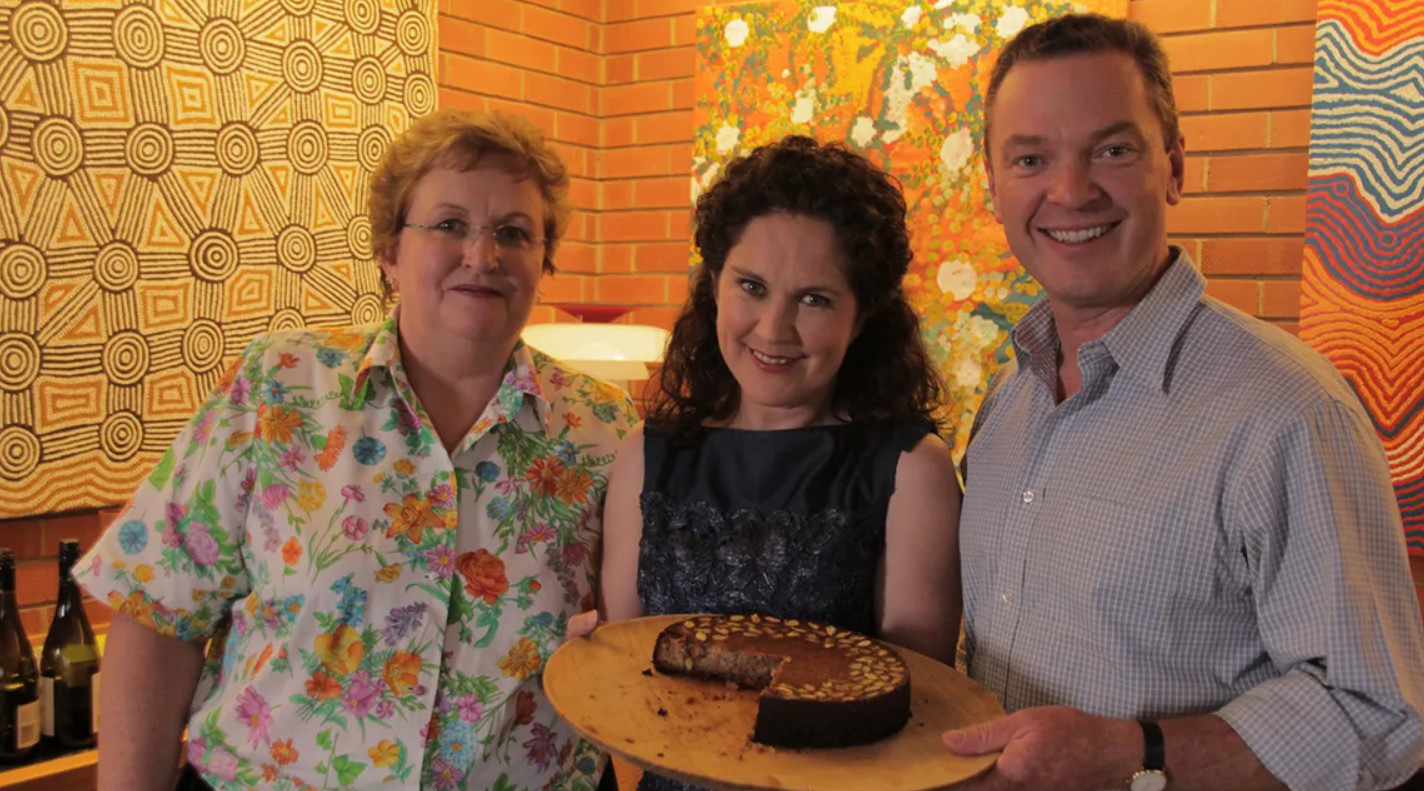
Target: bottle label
column 47, row 706
column 94, row 699
column 27, row 725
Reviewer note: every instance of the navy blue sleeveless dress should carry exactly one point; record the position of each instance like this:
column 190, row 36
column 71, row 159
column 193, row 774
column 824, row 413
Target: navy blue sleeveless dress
column 789, row 523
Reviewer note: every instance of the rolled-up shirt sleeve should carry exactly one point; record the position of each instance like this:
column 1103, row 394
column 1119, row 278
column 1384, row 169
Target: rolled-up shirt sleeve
column 1325, row 550
column 173, row 559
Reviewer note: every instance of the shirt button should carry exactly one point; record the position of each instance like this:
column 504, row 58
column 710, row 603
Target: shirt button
column 1006, row 596
column 1028, row 495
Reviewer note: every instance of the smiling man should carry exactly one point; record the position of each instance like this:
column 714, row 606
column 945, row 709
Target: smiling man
column 1183, row 562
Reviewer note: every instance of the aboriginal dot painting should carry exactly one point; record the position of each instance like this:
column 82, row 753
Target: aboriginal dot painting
column 1362, row 288
column 903, row 83
column 177, row 176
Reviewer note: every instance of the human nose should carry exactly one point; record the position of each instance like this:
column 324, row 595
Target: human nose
column 1073, row 185
column 777, row 322
column 481, row 251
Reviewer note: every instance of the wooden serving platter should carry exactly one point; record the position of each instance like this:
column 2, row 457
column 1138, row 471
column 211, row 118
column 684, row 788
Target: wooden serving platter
column 700, row 731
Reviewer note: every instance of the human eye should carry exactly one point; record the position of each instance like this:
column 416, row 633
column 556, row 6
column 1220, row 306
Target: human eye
column 1026, row 161
column 512, row 235
column 452, row 227
column 1117, row 152
column 752, row 286
column 816, row 300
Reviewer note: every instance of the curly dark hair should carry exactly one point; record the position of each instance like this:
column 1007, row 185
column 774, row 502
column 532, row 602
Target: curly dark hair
column 886, row 374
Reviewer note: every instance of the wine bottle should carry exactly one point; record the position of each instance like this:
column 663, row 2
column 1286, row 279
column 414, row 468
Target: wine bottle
column 19, row 680
column 69, row 665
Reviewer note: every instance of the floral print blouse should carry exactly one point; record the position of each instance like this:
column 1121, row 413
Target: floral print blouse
column 379, row 609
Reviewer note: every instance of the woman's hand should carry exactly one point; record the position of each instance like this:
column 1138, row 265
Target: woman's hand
column 584, row 624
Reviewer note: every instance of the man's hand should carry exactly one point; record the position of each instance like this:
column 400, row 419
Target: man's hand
column 1053, row 747
column 583, row 624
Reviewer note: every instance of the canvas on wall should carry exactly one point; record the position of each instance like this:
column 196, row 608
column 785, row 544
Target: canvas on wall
column 1362, row 287
column 178, row 177
column 902, row 82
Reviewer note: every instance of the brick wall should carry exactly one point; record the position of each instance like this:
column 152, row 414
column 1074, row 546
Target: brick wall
column 539, row 60
column 36, row 546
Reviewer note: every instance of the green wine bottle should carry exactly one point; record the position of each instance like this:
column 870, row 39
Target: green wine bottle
column 69, row 665
column 19, row 680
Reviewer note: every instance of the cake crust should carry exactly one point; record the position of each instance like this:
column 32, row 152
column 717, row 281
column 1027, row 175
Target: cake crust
column 820, row 686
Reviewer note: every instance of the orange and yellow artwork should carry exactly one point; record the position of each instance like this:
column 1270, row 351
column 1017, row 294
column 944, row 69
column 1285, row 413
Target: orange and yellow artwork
column 902, row 81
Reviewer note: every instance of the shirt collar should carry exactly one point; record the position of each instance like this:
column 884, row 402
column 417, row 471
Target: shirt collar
column 1141, row 344
column 526, row 377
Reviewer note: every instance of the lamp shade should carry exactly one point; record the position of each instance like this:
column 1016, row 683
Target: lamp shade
column 620, row 352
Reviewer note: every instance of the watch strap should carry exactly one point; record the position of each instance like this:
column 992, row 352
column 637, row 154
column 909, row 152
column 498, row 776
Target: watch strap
column 1154, row 752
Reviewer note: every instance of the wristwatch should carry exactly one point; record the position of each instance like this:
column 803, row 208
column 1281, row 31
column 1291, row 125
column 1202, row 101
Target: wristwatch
column 1153, row 774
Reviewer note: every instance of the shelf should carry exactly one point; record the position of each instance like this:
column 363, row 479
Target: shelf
column 66, row 772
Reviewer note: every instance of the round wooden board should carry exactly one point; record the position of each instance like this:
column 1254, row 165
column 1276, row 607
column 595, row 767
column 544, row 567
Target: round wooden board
column 597, row 684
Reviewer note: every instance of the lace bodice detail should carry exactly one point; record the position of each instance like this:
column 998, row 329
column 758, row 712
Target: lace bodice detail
column 788, row 523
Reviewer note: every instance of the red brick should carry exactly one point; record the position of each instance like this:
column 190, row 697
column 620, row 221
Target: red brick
column 498, row 13
column 642, row 97
column 461, row 100
column 618, row 195
column 662, row 193
column 542, row 117
column 36, row 621
column 519, row 50
column 466, row 38
column 85, row 526
column 669, row 257
column 1246, row 13
column 1194, row 179
column 483, row 76
column 631, row 290
column 583, row 193
column 1192, row 93
column 643, row 34
column 579, row 65
column 674, row 127
column 1241, row 294
column 620, row 69
column 681, row 158
column 1225, row 131
column 619, row 10
column 576, row 128
column 1285, row 214
column 1172, row 16
column 618, row 132
column 1289, row 129
column 1280, row 299
column 674, row 7
column 616, row 257
column 25, row 537
column 677, row 289
column 1257, row 172
column 684, row 30
column 666, row 64
column 558, row 92
column 563, row 288
column 1265, row 255
column 1295, row 44
column 638, row 161
column 633, row 226
column 1293, row 327
column 591, row 10
column 559, row 28
column 680, row 223
column 684, row 95
column 107, row 517
column 36, row 582
column 578, row 258
column 1249, row 90
column 543, row 314
column 1218, row 50
column 1216, row 215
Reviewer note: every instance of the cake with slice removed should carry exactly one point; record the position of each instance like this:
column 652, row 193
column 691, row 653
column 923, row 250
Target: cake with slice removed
column 820, row 686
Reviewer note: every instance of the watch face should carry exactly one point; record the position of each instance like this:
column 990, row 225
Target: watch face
column 1148, row 780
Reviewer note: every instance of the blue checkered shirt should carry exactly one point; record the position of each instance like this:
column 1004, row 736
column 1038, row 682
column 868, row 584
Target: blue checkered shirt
column 1206, row 526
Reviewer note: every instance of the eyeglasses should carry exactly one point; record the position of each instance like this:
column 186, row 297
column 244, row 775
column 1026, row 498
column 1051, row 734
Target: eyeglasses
column 508, row 238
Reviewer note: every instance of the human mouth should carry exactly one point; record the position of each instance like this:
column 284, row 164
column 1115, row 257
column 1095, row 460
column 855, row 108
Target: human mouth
column 479, row 291
column 769, row 362
column 1078, row 235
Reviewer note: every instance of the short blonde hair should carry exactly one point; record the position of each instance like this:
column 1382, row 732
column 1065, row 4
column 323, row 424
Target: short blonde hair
column 460, row 140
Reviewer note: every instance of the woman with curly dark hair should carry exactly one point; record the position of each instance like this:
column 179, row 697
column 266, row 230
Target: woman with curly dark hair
column 790, row 464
